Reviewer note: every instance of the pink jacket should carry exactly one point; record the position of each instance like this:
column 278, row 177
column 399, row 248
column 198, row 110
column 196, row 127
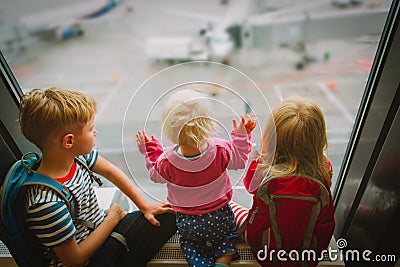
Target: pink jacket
column 202, row 184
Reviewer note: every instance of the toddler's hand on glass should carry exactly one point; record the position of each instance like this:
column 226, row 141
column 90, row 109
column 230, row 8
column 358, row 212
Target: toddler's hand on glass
column 141, row 139
column 245, row 126
column 250, row 124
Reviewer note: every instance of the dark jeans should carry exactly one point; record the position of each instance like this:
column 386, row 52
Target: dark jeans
column 144, row 240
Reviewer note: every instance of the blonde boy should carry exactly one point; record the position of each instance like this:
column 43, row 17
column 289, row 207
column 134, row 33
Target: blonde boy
column 61, row 124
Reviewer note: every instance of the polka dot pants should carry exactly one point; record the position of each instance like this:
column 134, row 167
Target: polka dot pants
column 206, row 237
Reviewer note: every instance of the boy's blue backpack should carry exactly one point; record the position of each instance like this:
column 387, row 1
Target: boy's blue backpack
column 19, row 241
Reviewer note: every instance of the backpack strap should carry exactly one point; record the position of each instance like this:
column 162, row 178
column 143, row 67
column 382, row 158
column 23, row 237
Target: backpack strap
column 30, row 169
column 38, row 179
column 63, row 192
column 93, row 177
column 81, row 163
column 263, row 194
column 315, row 211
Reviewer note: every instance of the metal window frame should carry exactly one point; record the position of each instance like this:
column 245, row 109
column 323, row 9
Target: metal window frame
column 377, row 109
column 12, row 143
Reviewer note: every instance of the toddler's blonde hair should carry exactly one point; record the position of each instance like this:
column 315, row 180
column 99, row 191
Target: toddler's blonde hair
column 298, row 126
column 54, row 111
column 188, row 118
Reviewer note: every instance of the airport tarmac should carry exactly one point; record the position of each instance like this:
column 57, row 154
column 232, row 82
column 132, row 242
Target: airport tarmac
column 109, row 62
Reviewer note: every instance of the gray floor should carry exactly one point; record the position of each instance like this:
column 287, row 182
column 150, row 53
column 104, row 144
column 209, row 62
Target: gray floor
column 109, row 62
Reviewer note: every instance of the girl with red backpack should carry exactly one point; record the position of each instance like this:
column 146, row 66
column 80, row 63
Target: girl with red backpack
column 291, row 220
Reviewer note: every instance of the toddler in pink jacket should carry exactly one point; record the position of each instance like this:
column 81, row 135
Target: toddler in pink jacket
column 195, row 170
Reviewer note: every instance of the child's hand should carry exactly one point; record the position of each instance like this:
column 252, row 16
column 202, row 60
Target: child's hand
column 151, row 210
column 250, row 124
column 141, row 139
column 115, row 213
column 244, row 126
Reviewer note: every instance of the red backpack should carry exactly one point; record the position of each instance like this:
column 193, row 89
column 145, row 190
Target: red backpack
column 291, row 221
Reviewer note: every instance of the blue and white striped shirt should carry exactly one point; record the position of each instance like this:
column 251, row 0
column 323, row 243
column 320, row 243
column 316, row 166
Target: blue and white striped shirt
column 48, row 216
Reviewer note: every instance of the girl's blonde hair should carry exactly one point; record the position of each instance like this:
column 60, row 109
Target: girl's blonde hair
column 188, row 118
column 297, row 127
column 54, row 111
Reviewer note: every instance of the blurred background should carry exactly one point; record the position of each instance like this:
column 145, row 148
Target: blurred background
column 129, row 54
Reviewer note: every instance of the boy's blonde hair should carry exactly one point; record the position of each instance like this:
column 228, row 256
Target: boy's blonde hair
column 54, row 111
column 188, row 118
column 298, row 127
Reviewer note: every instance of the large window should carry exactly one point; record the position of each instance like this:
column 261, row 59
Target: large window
column 124, row 53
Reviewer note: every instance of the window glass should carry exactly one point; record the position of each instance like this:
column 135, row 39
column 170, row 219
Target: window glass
column 124, row 54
